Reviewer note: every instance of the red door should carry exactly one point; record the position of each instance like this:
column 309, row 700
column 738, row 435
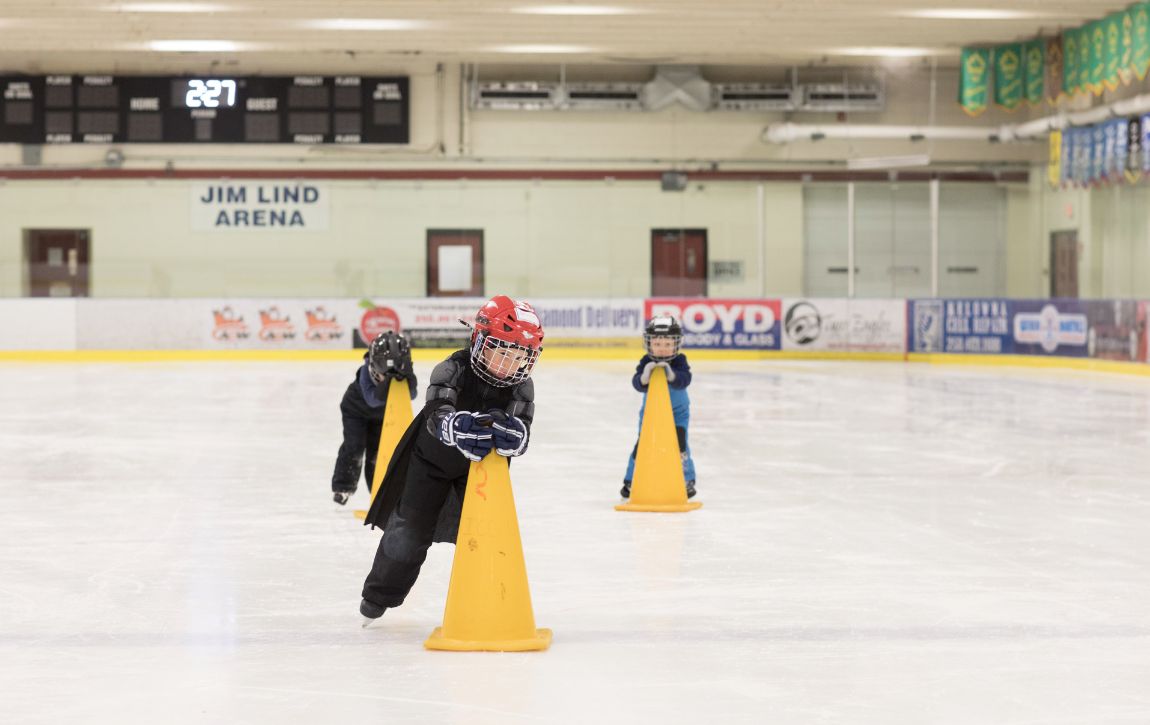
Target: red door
column 454, row 262
column 58, row 262
column 678, row 262
column 1064, row 264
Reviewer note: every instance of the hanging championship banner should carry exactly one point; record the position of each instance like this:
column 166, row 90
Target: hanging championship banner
column 1034, row 71
column 1008, row 71
column 1112, row 32
column 1118, row 129
column 1084, row 57
column 1054, row 70
column 1097, row 34
column 1066, row 174
column 1126, row 47
column 1109, row 152
column 1070, row 83
column 974, row 80
column 1068, row 148
column 1140, row 39
column 1054, row 164
column 1098, row 155
column 1133, row 169
column 1083, row 141
column 1146, row 144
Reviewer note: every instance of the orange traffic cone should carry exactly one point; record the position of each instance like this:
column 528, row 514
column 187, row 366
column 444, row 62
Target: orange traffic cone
column 488, row 600
column 397, row 417
column 657, row 483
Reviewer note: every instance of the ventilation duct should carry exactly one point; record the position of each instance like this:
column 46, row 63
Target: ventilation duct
column 682, row 84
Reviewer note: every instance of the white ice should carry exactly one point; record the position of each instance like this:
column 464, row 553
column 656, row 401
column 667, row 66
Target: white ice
column 880, row 543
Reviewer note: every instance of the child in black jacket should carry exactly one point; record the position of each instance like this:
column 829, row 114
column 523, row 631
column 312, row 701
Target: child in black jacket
column 388, row 358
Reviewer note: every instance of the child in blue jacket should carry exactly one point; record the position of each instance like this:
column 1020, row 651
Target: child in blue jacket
column 662, row 339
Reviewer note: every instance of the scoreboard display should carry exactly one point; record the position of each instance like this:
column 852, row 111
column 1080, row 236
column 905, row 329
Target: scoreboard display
column 107, row 109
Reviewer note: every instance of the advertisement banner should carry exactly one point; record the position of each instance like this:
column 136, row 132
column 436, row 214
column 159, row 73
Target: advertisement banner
column 1050, row 327
column 244, row 206
column 979, row 326
column 1117, row 330
column 725, row 324
column 838, row 325
column 591, row 322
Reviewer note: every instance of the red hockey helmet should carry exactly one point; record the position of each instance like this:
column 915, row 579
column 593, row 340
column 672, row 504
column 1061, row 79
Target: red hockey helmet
column 506, row 340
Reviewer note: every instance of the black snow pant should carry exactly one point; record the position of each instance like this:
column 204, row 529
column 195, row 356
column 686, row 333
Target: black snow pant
column 410, row 529
column 361, row 429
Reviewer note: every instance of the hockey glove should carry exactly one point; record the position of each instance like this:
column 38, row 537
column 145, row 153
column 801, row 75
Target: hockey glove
column 469, row 432
column 670, row 373
column 509, row 434
column 645, row 376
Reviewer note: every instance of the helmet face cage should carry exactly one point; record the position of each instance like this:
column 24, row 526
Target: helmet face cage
column 388, row 350
column 663, row 328
column 501, row 363
column 648, row 337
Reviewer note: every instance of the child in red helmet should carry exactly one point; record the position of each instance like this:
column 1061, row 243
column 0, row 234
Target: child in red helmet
column 478, row 400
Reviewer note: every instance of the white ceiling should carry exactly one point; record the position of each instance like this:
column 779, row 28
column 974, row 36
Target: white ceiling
column 103, row 36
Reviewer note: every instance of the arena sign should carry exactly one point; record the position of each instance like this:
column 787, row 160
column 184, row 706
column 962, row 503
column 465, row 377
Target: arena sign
column 255, row 206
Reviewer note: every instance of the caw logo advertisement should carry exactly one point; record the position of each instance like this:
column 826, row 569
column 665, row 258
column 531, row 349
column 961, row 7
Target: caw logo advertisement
column 747, row 324
column 248, row 206
column 844, row 325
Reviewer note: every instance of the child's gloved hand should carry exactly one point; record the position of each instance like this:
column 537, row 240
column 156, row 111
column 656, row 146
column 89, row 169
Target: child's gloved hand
column 645, row 376
column 508, row 433
column 341, row 497
column 469, row 432
column 667, row 368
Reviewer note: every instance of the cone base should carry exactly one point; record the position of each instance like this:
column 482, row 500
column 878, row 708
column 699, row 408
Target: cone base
column 360, row 514
column 437, row 641
column 666, row 508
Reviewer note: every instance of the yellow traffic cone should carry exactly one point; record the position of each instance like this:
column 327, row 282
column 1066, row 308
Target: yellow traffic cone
column 397, row 417
column 657, row 483
column 488, row 601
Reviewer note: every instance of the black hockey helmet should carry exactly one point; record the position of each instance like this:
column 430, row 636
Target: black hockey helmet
column 389, row 351
column 663, row 326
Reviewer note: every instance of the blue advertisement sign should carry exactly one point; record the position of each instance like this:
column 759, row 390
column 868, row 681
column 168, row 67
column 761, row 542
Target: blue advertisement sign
column 978, row 326
column 1050, row 327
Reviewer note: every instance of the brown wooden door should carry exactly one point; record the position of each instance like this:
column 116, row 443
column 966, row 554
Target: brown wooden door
column 1064, row 264
column 58, row 261
column 678, row 262
column 454, row 262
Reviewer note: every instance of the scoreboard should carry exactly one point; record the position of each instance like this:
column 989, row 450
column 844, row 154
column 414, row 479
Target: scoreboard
column 107, row 109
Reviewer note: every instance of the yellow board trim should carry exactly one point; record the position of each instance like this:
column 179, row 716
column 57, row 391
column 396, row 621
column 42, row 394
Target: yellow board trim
column 613, row 352
column 1033, row 361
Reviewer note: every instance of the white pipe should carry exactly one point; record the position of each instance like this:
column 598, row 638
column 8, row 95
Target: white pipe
column 760, row 234
column 934, row 237
column 784, row 133
column 851, row 239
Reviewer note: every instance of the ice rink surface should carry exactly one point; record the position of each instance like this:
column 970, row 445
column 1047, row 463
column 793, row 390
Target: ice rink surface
column 880, row 543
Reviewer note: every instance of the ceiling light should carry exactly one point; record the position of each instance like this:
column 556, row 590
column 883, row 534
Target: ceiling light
column 968, row 14
column 543, row 48
column 363, row 24
column 197, row 46
column 574, row 10
column 168, row 8
column 887, row 162
column 889, row 52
